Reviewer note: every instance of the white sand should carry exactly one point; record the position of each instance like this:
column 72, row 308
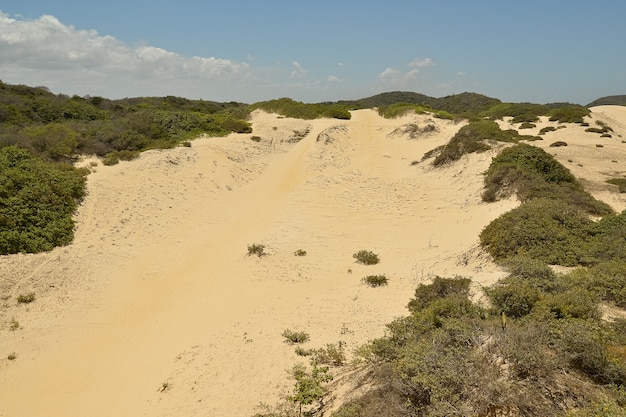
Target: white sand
column 157, row 288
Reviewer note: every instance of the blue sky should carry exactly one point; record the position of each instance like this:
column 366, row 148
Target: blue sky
column 248, row 51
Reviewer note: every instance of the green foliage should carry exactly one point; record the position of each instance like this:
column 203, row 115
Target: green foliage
column 532, row 173
column 527, row 125
column 26, row 298
column 37, row 201
column 606, row 279
column 300, row 252
column 256, row 249
column 294, row 337
column 295, row 109
column 375, row 280
column 333, row 354
column 471, row 138
column 520, row 112
column 366, row 257
column 569, row 114
column 544, row 229
column 400, row 109
column 310, row 386
column 558, row 144
column 547, row 129
column 515, row 297
column 425, row 295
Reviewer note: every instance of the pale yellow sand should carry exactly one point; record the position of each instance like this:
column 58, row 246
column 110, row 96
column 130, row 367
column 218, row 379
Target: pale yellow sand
column 157, row 289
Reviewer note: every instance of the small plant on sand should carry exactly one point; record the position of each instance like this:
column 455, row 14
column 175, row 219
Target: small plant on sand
column 256, row 249
column 294, row 337
column 558, row 144
column 547, row 129
column 26, row 298
column 366, row 257
column 255, row 138
column 309, row 386
column 375, row 280
column 300, row 252
column 15, row 325
column 12, row 356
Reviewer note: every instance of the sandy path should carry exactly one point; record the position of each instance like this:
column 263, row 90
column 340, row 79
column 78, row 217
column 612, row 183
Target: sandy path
column 158, row 288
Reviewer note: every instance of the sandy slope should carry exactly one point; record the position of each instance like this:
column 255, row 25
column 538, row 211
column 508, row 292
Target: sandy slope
column 157, row 289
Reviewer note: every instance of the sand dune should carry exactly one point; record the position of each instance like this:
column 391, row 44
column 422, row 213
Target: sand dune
column 157, row 310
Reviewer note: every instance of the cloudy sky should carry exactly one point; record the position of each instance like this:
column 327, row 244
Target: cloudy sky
column 249, row 50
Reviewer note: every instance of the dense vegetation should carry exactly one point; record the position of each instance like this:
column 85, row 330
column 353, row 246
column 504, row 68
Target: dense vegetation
column 529, row 112
column 290, row 108
column 473, row 137
column 37, row 201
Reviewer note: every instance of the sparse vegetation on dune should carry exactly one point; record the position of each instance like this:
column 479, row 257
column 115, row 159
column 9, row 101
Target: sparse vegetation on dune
column 291, row 108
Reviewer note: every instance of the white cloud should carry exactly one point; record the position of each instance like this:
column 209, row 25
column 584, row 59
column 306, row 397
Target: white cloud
column 298, row 70
column 45, row 51
column 389, row 74
column 411, row 74
column 421, row 63
column 334, row 79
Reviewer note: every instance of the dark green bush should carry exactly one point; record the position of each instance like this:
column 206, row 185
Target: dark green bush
column 527, row 125
column 521, row 112
column 37, row 201
column 547, row 129
column 457, row 287
column 375, row 280
column 290, row 108
column 256, row 249
column 515, row 297
column 569, row 114
column 26, row 298
column 294, row 337
column 557, row 144
column 606, row 279
column 366, row 257
column 548, row 230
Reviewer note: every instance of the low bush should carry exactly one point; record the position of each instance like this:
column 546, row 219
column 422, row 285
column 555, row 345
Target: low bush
column 547, row 129
column 375, row 280
column 300, row 252
column 26, row 298
column 38, row 201
column 366, row 257
column 527, row 125
column 548, row 230
column 515, row 297
column 256, row 249
column 558, row 144
column 294, row 337
column 332, row 354
column 471, row 138
column 569, row 114
column 255, row 138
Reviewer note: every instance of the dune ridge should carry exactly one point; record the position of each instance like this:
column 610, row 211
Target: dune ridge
column 156, row 309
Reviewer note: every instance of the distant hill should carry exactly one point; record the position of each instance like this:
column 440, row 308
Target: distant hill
column 456, row 104
column 609, row 100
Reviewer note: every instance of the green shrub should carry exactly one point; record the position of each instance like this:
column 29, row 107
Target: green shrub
column 400, row 109
column 520, row 112
column 606, row 279
column 256, row 249
column 575, row 303
column 594, row 130
column 569, row 114
column 37, row 201
column 26, row 298
column 457, row 287
column 293, row 337
column 255, row 138
column 366, row 257
column 532, row 173
column 527, row 125
column 558, row 143
column 375, row 280
column 547, row 129
column 515, row 297
column 300, row 252
column 290, row 108
column 332, row 354
column 548, row 230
